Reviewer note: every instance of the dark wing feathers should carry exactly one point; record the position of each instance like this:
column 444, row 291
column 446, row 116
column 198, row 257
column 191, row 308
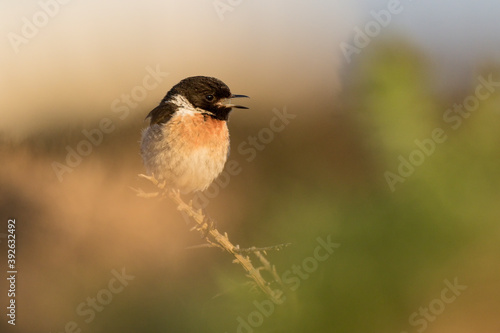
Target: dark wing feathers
column 161, row 114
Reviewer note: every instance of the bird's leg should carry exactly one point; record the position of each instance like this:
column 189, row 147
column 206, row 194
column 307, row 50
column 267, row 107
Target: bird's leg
column 160, row 185
column 151, row 178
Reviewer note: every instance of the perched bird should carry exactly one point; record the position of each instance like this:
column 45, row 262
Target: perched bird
column 186, row 143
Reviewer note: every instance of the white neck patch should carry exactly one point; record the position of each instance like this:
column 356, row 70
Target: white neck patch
column 185, row 107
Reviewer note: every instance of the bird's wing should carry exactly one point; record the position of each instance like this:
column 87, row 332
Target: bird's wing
column 161, row 114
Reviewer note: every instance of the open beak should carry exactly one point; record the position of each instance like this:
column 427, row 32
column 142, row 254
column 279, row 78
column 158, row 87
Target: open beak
column 230, row 105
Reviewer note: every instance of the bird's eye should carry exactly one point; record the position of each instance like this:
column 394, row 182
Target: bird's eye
column 209, row 97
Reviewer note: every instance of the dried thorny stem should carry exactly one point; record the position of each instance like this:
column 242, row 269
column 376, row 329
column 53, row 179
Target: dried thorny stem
column 214, row 238
column 254, row 249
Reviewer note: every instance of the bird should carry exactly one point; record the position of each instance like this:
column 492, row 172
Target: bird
column 186, row 144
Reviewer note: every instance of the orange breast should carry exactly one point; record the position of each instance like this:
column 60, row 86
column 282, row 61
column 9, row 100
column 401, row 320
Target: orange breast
column 200, row 130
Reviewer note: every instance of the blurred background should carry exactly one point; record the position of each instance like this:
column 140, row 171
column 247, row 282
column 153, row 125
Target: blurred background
column 364, row 84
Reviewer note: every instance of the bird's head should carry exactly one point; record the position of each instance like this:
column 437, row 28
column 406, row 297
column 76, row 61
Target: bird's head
column 207, row 94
